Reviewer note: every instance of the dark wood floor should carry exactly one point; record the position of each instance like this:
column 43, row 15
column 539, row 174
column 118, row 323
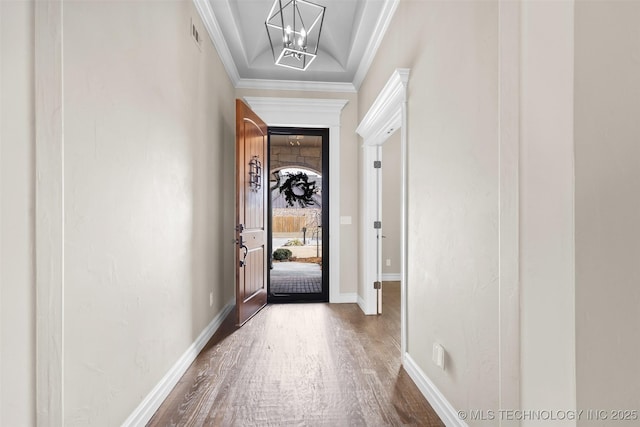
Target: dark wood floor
column 303, row 365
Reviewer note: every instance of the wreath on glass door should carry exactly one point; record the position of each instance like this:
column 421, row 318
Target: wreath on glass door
column 297, row 189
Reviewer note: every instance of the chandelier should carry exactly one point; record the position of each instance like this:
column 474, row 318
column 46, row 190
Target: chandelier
column 294, row 27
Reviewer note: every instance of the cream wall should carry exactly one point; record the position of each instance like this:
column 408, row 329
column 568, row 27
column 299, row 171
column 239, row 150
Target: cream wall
column 17, row 186
column 607, row 166
column 547, row 282
column 148, row 169
column 348, row 177
column 391, row 204
column 452, row 188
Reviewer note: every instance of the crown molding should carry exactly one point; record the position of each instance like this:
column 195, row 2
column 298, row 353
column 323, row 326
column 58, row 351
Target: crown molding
column 384, row 116
column 296, row 85
column 215, row 33
column 388, row 10
column 309, row 112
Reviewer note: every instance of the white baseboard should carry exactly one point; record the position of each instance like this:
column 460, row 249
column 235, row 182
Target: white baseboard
column 362, row 304
column 369, row 311
column 391, row 277
column 436, row 399
column 143, row 413
column 344, row 298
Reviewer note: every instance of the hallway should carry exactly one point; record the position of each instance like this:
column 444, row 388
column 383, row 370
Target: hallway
column 301, row 364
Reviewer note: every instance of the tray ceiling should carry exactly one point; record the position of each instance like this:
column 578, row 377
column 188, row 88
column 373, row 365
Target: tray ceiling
column 351, row 34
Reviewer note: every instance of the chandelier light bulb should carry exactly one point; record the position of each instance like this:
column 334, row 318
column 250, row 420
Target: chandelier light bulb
column 287, row 35
column 303, row 38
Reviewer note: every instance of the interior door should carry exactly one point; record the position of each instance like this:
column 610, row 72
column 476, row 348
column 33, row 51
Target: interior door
column 251, row 220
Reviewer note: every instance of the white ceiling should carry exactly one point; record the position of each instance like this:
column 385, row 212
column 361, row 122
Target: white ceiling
column 351, row 34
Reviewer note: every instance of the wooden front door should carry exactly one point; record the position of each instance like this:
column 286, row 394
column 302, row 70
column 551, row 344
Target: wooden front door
column 251, row 212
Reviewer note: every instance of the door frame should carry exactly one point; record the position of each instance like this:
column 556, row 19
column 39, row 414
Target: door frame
column 314, row 113
column 387, row 114
column 326, row 209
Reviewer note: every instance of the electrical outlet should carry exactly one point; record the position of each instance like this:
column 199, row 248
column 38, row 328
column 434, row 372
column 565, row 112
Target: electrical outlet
column 210, row 299
column 438, row 355
column 388, row 262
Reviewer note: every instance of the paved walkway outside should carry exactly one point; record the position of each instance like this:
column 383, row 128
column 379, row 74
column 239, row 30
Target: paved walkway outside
column 296, row 278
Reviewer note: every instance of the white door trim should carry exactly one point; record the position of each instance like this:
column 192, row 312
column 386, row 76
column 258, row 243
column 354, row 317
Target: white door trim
column 509, row 42
column 49, row 213
column 387, row 114
column 314, row 113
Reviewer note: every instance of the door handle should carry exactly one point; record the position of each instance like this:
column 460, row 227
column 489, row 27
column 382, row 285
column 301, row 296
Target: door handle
column 239, row 230
column 243, row 262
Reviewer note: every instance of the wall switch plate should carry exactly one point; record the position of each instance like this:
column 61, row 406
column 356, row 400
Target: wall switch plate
column 438, row 355
column 388, row 262
column 345, row 220
column 210, row 299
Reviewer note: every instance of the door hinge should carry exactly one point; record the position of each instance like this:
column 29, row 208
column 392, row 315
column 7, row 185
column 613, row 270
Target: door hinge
column 377, row 164
column 377, row 225
column 377, row 285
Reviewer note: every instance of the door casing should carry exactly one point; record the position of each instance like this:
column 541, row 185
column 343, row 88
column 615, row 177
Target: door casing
column 387, row 115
